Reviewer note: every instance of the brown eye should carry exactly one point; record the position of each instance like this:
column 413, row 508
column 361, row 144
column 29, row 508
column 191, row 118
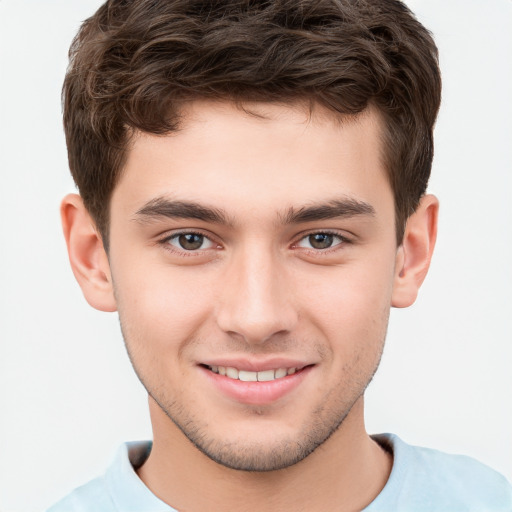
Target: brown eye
column 321, row 240
column 191, row 241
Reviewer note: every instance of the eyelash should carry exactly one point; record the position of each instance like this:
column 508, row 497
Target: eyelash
column 343, row 240
column 184, row 252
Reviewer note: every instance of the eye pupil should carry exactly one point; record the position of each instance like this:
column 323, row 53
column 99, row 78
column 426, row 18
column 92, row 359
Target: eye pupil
column 321, row 240
column 191, row 241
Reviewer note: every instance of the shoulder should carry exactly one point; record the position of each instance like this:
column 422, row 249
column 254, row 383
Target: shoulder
column 91, row 496
column 118, row 489
column 426, row 479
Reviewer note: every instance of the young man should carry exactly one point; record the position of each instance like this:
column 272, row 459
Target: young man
column 252, row 181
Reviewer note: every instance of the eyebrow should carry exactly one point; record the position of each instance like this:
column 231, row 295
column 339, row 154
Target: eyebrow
column 163, row 207
column 336, row 208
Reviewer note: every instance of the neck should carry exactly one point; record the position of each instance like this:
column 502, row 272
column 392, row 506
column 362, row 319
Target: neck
column 346, row 473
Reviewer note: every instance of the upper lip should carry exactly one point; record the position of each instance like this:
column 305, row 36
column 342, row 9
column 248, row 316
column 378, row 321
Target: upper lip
column 253, row 365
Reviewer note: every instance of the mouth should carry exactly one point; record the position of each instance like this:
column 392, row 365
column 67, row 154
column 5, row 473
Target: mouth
column 248, row 376
column 253, row 383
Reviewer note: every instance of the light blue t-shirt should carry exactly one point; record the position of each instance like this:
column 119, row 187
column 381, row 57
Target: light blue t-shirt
column 422, row 480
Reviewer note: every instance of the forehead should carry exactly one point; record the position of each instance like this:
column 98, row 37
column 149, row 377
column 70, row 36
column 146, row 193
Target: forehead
column 258, row 156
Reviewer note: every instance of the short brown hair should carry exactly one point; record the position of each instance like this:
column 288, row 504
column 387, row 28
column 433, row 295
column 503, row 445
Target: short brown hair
column 135, row 62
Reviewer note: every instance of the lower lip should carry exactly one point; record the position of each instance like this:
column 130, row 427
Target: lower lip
column 256, row 393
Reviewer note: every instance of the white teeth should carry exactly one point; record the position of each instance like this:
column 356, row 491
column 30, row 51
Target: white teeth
column 246, row 376
column 282, row 372
column 266, row 375
column 232, row 373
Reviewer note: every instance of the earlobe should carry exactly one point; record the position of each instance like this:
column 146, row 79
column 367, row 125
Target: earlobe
column 87, row 255
column 415, row 253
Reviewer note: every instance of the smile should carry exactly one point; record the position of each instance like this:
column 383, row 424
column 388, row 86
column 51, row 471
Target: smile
column 247, row 376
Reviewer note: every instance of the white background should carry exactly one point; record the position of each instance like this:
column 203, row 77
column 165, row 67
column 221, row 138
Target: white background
column 68, row 396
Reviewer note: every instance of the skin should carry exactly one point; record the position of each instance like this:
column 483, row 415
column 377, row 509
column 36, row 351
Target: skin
column 256, row 289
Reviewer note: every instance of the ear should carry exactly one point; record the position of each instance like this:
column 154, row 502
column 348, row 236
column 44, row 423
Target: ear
column 87, row 255
column 414, row 255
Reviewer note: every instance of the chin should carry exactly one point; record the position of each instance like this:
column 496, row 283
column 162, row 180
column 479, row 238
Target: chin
column 261, row 445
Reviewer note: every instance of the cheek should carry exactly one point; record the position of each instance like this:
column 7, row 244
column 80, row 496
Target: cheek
column 351, row 306
column 160, row 308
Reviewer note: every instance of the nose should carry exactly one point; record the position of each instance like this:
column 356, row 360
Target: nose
column 256, row 302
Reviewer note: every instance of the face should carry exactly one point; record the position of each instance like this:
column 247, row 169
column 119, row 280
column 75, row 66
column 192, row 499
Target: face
column 253, row 260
